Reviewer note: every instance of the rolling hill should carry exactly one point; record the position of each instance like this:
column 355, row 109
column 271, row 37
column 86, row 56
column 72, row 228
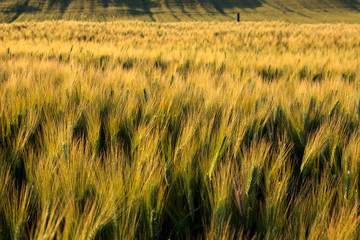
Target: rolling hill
column 181, row 10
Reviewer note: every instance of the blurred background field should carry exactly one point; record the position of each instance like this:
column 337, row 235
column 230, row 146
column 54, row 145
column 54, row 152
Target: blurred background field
column 305, row 11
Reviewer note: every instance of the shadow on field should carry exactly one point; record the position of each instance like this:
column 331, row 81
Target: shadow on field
column 173, row 4
column 230, row 4
column 105, row 3
column 143, row 7
column 19, row 8
column 351, row 4
column 212, row 6
column 63, row 4
column 138, row 7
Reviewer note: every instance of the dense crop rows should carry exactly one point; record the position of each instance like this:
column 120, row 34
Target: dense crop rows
column 185, row 131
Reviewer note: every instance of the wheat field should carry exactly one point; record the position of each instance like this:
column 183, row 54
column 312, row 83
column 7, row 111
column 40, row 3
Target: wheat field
column 195, row 130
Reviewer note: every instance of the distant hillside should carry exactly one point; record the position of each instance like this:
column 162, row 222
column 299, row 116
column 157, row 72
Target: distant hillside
column 181, row 10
